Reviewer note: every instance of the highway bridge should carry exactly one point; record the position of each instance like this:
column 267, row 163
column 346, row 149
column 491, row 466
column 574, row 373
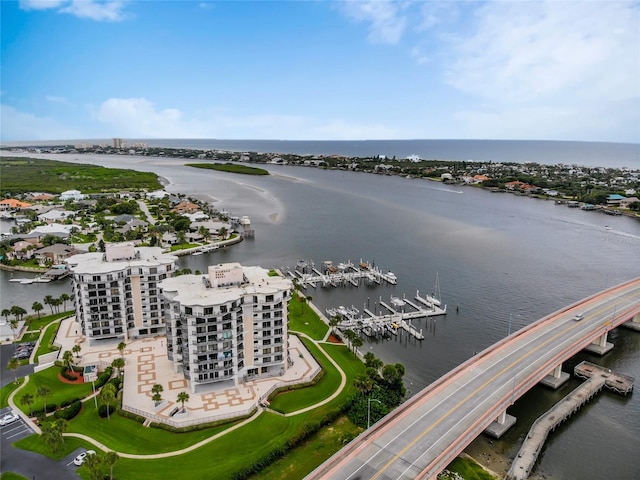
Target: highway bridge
column 422, row 436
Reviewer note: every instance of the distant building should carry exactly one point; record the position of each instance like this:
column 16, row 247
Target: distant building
column 71, row 195
column 118, row 143
column 13, row 204
column 116, row 292
column 227, row 326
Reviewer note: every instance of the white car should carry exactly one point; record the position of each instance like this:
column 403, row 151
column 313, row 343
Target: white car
column 8, row 418
column 578, row 317
column 79, row 460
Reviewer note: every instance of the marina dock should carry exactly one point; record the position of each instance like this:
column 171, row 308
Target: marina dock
column 307, row 275
column 597, row 378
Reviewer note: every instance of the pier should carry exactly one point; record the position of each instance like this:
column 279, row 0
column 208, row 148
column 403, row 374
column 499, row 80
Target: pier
column 597, row 378
column 307, row 275
column 375, row 326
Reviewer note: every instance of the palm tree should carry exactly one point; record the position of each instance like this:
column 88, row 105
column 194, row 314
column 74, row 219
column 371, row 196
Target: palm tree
column 27, row 399
column 121, row 347
column 302, row 299
column 64, row 298
column 56, row 302
column 334, row 322
column 223, row 232
column 183, row 397
column 109, row 459
column 13, row 364
column 43, row 392
column 37, row 307
column 67, row 357
column 118, row 364
column 47, row 301
column 76, row 349
column 13, row 323
column 108, row 395
column 52, row 435
column 157, row 390
column 93, row 463
column 356, row 343
column 364, row 383
column 5, row 313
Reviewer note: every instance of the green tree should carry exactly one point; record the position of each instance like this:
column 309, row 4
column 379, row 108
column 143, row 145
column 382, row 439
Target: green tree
column 67, row 357
column 5, row 313
column 356, row 343
column 101, row 245
column 64, row 298
column 121, row 347
column 52, row 433
column 43, row 392
column 110, row 459
column 182, row 398
column 37, row 307
column 93, row 464
column 108, row 395
column 27, row 400
column 118, row 364
column 157, row 390
column 13, row 323
column 223, row 233
column 13, row 364
column 47, row 301
column 76, row 349
column 334, row 322
column 363, row 383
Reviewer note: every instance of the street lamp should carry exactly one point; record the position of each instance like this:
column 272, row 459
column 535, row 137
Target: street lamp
column 369, row 400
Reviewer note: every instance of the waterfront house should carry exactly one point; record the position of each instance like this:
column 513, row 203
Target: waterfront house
column 12, row 204
column 55, row 254
column 626, row 203
column 71, row 195
column 614, row 199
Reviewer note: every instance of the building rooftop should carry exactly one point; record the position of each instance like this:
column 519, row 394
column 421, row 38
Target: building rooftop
column 119, row 256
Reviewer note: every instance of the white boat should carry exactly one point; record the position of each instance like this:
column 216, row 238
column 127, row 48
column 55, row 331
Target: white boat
column 27, row 281
column 397, row 302
column 391, row 277
column 197, row 253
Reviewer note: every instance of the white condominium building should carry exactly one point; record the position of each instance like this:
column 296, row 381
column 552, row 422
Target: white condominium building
column 117, row 293
column 227, row 326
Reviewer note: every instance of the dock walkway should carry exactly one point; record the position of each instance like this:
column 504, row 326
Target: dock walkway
column 597, row 378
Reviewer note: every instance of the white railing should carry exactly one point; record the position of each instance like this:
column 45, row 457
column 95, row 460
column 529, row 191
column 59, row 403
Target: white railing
column 189, row 422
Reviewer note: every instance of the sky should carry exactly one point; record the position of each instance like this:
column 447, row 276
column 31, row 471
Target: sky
column 320, row 70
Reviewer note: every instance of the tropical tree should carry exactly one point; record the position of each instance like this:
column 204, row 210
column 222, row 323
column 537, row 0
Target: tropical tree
column 204, row 231
column 56, row 302
column 13, row 323
column 302, row 299
column 108, row 395
column 27, row 400
column 76, row 349
column 64, row 298
column 183, row 397
column 334, row 322
column 121, row 347
column 118, row 364
column 5, row 313
column 13, row 364
column 223, row 232
column 52, row 433
column 157, row 389
column 363, row 383
column 93, row 463
column 110, row 459
column 356, row 343
column 37, row 307
column 43, row 392
column 371, row 361
column 67, row 357
column 47, row 301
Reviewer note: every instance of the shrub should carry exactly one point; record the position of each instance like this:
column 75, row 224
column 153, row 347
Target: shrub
column 69, row 412
column 105, row 410
column 104, row 377
column 69, row 401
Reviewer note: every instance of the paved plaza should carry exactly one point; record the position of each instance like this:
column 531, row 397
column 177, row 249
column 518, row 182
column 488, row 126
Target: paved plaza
column 146, row 364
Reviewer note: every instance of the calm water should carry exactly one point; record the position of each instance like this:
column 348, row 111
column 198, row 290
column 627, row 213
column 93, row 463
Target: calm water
column 497, row 257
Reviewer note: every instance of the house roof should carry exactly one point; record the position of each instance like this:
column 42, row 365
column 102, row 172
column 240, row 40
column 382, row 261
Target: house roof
column 14, row 203
column 615, row 196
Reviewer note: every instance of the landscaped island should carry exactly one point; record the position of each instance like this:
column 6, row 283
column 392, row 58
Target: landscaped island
column 230, row 167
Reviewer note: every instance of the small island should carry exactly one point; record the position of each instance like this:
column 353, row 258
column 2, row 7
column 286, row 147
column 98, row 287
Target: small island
column 230, row 167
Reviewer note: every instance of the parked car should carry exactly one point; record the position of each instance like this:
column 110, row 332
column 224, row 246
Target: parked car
column 79, row 460
column 8, row 418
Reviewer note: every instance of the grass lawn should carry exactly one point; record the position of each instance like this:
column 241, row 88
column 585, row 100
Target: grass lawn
column 83, row 238
column 29, row 337
column 6, row 391
column 183, row 246
column 34, row 443
column 11, row 476
column 59, row 391
column 127, row 435
column 469, row 469
column 350, row 364
column 47, row 340
column 303, row 319
column 303, row 459
column 293, row 400
column 37, row 323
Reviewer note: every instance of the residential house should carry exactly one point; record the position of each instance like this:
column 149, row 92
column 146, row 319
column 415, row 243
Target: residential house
column 71, row 195
column 13, row 204
column 55, row 254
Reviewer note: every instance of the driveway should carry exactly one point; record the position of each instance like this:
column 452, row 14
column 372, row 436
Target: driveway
column 29, row 464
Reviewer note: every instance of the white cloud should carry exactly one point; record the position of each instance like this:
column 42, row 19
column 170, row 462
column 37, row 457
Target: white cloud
column 387, row 24
column 109, row 10
column 59, row 100
column 527, row 51
column 138, row 117
column 26, row 126
column 40, row 4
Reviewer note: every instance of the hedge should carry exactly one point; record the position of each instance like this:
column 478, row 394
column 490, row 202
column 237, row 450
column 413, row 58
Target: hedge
column 69, row 412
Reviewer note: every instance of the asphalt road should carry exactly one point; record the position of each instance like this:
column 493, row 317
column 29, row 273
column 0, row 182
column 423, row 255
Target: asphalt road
column 8, row 376
column 428, row 431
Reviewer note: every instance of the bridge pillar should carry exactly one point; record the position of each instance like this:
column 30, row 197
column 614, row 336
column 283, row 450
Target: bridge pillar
column 600, row 345
column 634, row 323
column 556, row 378
column 501, row 424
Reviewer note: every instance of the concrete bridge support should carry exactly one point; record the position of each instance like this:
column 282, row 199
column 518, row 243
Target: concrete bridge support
column 501, row 424
column 634, row 323
column 600, row 345
column 556, row 378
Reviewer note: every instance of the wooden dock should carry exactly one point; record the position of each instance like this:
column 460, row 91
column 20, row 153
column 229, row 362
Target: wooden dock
column 307, row 275
column 597, row 378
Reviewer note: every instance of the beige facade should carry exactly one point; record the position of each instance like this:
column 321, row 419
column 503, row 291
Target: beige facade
column 228, row 326
column 117, row 293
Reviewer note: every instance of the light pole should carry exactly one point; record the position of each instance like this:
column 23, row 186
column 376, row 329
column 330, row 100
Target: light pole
column 369, row 400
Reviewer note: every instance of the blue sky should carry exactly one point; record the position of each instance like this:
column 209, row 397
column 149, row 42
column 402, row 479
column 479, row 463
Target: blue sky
column 320, row 70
